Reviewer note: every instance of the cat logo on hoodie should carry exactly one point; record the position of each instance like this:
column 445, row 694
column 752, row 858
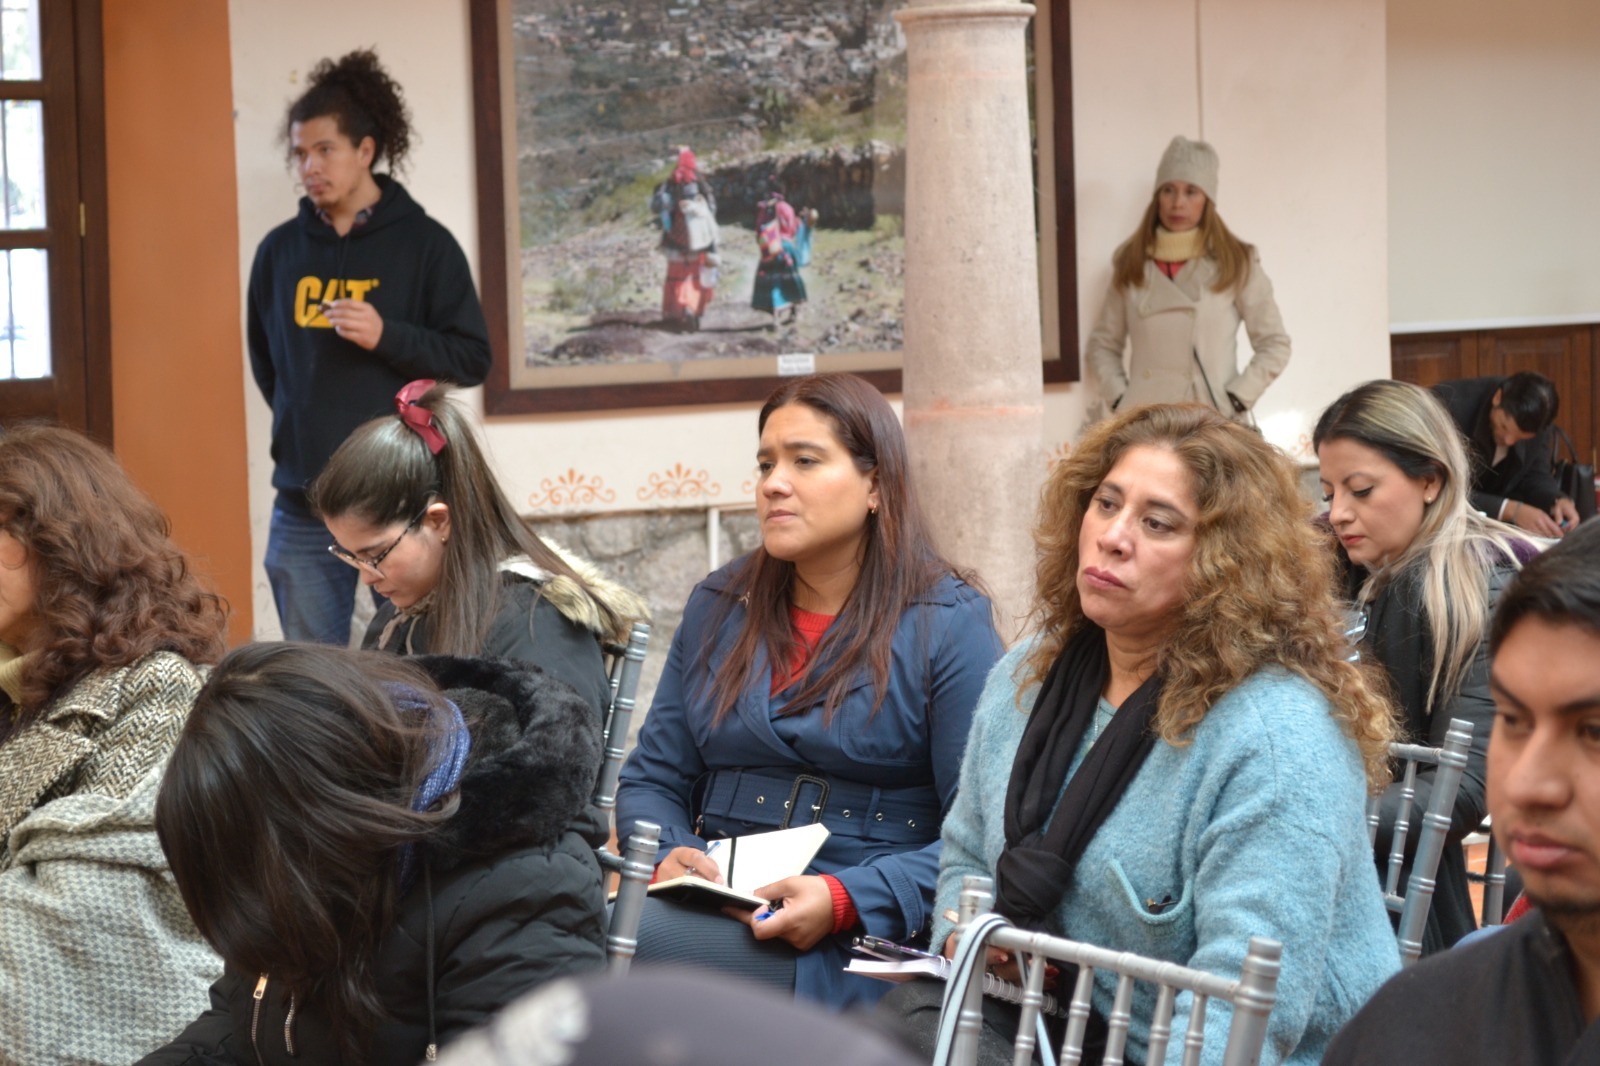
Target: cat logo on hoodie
column 310, row 293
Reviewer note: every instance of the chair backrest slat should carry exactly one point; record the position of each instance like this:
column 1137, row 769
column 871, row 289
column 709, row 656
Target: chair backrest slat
column 1078, row 1017
column 1402, row 828
column 1194, row 1037
column 1161, row 1024
column 1027, row 1020
column 1117, row 1024
column 624, row 688
column 1494, row 884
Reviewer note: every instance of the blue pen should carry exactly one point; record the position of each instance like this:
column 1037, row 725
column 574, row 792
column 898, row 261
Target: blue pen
column 772, row 908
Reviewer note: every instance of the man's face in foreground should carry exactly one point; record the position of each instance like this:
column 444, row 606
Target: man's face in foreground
column 1544, row 763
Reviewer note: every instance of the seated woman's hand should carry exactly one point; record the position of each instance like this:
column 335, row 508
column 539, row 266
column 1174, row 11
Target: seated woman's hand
column 1001, row 964
column 681, row 862
column 805, row 917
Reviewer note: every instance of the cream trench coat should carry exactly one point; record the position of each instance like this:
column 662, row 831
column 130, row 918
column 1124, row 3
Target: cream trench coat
column 1169, row 320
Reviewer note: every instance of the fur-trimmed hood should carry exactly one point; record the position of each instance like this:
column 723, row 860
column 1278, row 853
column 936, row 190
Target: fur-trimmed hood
column 534, row 761
column 582, row 603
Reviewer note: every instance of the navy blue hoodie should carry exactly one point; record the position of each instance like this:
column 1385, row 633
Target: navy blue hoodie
column 321, row 386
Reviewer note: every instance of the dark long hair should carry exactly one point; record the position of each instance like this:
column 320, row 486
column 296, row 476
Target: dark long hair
column 363, row 100
column 899, row 562
column 384, row 474
column 110, row 586
column 283, row 812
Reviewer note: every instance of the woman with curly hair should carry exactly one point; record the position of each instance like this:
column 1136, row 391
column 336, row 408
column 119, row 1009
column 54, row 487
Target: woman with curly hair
column 1183, row 749
column 104, row 630
column 356, row 295
column 1180, row 287
column 1425, row 570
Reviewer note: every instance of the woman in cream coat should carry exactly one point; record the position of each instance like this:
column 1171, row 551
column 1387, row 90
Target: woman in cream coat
column 1180, row 287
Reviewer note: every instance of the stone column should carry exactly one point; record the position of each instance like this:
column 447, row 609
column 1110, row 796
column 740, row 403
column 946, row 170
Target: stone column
column 974, row 388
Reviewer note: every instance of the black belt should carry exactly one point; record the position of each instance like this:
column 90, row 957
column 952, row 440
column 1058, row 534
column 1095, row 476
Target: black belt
column 782, row 798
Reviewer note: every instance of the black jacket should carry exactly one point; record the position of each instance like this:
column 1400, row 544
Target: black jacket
column 527, row 627
column 1523, row 475
column 515, row 890
column 320, row 386
column 1508, row 999
column 1398, row 637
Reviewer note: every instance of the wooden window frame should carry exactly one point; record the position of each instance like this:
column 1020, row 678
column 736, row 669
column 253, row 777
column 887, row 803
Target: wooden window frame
column 78, row 391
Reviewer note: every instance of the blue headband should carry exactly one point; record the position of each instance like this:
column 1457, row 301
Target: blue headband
column 448, row 744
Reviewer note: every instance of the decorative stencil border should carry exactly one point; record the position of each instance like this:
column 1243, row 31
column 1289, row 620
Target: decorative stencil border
column 571, row 489
column 680, row 483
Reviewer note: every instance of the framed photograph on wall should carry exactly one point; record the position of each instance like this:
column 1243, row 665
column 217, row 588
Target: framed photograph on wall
column 681, row 201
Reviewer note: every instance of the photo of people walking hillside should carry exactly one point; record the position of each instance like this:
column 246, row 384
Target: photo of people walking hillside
column 714, row 179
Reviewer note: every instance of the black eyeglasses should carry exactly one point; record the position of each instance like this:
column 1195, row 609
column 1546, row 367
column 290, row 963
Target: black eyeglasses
column 344, row 555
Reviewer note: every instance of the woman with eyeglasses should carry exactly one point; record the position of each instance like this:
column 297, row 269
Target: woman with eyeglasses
column 104, row 633
column 412, row 504
column 1424, row 570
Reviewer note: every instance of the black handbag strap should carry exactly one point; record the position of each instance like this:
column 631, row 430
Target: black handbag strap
column 1560, row 435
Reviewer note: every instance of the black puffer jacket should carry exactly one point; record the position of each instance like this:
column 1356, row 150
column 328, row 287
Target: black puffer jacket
column 515, row 890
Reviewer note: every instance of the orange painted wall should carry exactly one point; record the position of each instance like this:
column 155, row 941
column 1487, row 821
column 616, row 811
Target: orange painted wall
column 176, row 343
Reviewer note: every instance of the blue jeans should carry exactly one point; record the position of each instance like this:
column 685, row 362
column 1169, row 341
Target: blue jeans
column 315, row 592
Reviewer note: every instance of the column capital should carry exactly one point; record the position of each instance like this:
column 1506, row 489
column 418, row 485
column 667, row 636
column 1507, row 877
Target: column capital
column 929, row 10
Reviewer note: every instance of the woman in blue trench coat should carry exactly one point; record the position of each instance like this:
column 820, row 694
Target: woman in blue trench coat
column 829, row 675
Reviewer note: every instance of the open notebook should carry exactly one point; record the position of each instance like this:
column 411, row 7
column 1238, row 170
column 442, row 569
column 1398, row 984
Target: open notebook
column 748, row 863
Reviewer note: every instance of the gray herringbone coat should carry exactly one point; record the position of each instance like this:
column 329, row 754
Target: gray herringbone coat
column 99, row 962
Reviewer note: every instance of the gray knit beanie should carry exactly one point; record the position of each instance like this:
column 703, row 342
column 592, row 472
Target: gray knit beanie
column 1192, row 161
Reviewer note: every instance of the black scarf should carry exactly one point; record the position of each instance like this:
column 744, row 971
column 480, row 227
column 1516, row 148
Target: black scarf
column 1037, row 863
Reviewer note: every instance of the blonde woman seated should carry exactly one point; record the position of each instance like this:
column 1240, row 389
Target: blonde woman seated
column 1180, row 757
column 1425, row 570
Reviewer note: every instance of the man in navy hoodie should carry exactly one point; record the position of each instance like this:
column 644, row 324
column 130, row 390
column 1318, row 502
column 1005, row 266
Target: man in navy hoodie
column 357, row 295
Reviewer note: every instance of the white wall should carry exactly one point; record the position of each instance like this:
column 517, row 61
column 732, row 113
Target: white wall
column 1291, row 93
column 1494, row 148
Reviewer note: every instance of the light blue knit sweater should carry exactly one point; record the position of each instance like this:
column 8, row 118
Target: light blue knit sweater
column 1256, row 828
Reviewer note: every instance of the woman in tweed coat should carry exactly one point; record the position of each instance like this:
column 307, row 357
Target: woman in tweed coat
column 102, row 625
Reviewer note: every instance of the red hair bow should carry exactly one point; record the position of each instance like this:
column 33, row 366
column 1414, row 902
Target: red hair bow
column 419, row 418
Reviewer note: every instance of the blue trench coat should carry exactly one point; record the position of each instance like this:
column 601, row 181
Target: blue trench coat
column 890, row 776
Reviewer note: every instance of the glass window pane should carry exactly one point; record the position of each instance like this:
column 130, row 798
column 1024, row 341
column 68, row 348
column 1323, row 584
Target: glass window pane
column 22, row 164
column 25, row 325
column 19, row 40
